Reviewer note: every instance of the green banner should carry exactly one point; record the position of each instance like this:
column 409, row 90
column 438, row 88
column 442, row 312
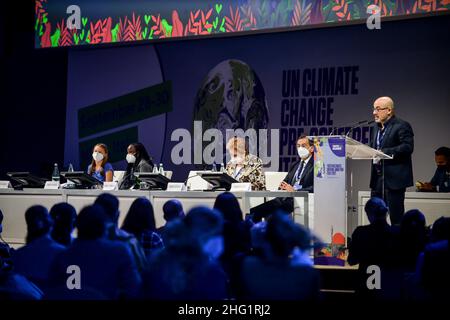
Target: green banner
column 116, row 142
column 129, row 108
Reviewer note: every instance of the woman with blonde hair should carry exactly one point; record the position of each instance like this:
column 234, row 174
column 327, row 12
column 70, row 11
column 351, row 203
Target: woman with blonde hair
column 244, row 166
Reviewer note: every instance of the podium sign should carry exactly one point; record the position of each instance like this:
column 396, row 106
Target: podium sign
column 330, row 197
column 330, row 205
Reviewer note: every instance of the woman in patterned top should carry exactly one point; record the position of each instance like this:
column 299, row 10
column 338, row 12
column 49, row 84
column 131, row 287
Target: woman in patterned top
column 244, row 166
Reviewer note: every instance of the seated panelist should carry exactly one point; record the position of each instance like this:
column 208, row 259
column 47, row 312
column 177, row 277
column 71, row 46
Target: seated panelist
column 138, row 161
column 100, row 168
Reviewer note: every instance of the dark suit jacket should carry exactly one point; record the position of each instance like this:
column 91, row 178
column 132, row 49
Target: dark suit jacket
column 307, row 178
column 399, row 142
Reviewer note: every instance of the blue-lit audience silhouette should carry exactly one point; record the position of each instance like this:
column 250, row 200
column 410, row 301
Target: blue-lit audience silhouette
column 34, row 259
column 140, row 222
column 212, row 254
column 64, row 216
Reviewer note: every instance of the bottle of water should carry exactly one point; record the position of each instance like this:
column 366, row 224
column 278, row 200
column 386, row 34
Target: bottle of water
column 161, row 169
column 222, row 167
column 155, row 169
column 69, row 184
column 214, row 167
column 55, row 174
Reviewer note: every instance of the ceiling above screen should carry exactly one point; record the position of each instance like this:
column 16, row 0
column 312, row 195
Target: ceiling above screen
column 62, row 23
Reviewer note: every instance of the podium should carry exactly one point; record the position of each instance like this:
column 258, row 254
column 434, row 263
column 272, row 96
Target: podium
column 330, row 181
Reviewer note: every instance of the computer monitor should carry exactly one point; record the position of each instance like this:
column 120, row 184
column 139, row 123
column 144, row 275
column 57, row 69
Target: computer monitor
column 25, row 180
column 219, row 180
column 153, row 181
column 81, row 179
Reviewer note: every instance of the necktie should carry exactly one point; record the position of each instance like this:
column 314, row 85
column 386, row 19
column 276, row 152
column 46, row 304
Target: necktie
column 298, row 173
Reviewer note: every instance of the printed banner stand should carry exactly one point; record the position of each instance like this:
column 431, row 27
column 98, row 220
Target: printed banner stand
column 330, row 198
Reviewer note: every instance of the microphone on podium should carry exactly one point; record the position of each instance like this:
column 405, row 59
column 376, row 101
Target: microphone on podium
column 366, row 122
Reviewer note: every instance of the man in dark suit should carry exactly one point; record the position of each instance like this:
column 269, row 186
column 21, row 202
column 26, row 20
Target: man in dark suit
column 299, row 178
column 390, row 178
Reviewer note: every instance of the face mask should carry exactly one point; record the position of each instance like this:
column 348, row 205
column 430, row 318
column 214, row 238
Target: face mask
column 237, row 160
column 214, row 247
column 131, row 158
column 97, row 156
column 303, row 152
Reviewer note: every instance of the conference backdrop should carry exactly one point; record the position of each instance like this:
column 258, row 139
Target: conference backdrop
column 312, row 82
column 60, row 23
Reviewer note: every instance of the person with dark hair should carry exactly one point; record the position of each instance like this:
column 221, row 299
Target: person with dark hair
column 412, row 239
column 372, row 244
column 299, row 178
column 34, row 259
column 187, row 269
column 275, row 275
column 106, row 267
column 14, row 286
column 375, row 244
column 441, row 179
column 433, row 264
column 140, row 222
column 440, row 230
column 110, row 205
column 5, row 250
column 100, row 168
column 64, row 216
column 172, row 210
column 390, row 177
column 138, row 161
column 236, row 233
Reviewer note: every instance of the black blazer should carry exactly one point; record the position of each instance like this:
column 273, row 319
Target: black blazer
column 307, row 178
column 399, row 142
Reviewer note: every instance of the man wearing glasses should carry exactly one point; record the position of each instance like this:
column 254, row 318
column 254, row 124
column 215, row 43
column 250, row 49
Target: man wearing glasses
column 390, row 178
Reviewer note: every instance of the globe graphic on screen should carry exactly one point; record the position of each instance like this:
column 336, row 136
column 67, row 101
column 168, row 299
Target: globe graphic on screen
column 230, row 97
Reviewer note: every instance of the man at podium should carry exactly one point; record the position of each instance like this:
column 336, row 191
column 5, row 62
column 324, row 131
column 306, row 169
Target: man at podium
column 390, row 178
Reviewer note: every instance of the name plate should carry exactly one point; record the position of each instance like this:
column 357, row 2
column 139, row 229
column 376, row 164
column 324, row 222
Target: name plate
column 51, row 185
column 176, row 186
column 241, row 186
column 110, row 186
column 5, row 184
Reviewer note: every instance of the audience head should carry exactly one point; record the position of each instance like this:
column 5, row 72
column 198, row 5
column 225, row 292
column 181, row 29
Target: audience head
column 442, row 157
column 258, row 235
column 110, row 205
column 413, row 230
column 39, row 222
column 376, row 209
column 441, row 229
column 227, row 204
column 173, row 209
column 64, row 216
column 140, row 217
column 205, row 225
column 91, row 223
column 284, row 235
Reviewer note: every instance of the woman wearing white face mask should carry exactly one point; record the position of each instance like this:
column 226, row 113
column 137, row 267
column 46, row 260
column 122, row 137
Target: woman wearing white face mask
column 100, row 168
column 138, row 161
column 244, row 166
